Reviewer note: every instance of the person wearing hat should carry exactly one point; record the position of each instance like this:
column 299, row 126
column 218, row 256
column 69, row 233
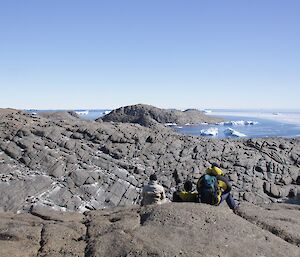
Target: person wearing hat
column 187, row 195
column 153, row 193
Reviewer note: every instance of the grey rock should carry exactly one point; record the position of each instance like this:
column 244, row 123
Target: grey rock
column 19, row 236
column 273, row 190
column 57, row 170
column 80, row 177
column 287, row 180
column 154, row 223
column 77, row 135
column 12, row 150
column 148, row 116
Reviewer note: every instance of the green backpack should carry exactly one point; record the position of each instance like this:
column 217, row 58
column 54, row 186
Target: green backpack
column 208, row 189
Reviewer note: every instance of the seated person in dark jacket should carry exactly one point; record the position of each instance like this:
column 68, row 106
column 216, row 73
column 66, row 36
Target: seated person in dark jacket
column 187, row 195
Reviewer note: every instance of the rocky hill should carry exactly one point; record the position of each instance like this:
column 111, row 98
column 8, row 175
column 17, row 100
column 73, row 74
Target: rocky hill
column 147, row 115
column 174, row 229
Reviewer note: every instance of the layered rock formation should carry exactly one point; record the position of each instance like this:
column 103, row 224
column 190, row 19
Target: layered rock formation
column 61, row 161
column 174, row 229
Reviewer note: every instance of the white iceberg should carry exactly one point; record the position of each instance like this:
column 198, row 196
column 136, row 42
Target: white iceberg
column 238, row 123
column 234, row 133
column 170, row 124
column 82, row 112
column 209, row 132
column 207, row 111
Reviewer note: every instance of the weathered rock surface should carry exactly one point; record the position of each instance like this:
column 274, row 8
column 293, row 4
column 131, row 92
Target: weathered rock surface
column 148, row 116
column 64, row 162
column 282, row 220
column 42, row 233
column 173, row 229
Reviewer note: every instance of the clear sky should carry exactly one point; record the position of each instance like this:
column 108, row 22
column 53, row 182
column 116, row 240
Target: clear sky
column 67, row 54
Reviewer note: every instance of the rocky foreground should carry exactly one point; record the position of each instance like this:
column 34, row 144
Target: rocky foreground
column 173, row 229
column 61, row 161
column 56, row 161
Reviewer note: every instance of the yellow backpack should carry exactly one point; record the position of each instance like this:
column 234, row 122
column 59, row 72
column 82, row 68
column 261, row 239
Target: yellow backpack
column 214, row 171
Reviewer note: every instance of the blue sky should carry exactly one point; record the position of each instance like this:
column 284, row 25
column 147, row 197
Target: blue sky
column 65, row 54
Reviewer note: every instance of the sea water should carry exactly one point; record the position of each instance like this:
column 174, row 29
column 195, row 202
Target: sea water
column 249, row 124
column 266, row 123
column 93, row 114
column 239, row 123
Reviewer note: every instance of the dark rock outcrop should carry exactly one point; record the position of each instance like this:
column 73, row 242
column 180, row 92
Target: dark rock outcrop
column 60, row 115
column 148, row 116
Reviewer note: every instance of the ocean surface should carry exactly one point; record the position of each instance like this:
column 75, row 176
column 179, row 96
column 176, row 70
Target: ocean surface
column 249, row 124
column 239, row 123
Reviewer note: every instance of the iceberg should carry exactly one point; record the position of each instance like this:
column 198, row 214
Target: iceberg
column 170, row 124
column 238, row 123
column 209, row 132
column 82, row 112
column 234, row 133
column 106, row 112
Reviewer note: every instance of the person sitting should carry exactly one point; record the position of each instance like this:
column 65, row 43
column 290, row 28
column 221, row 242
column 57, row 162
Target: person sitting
column 153, row 193
column 187, row 195
column 214, row 170
column 213, row 188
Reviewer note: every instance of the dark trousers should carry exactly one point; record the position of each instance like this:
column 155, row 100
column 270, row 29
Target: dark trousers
column 229, row 200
